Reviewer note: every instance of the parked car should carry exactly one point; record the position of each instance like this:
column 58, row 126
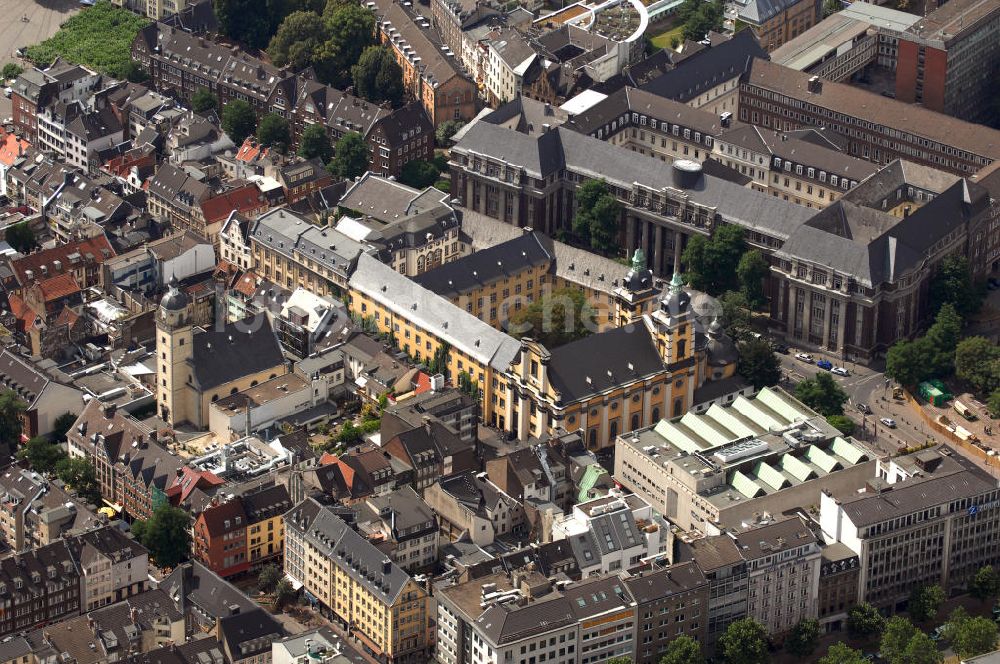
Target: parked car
column 840, row 371
column 8, row 91
column 804, row 357
column 825, row 364
column 779, row 348
column 938, row 633
column 996, row 607
column 863, row 408
column 889, row 422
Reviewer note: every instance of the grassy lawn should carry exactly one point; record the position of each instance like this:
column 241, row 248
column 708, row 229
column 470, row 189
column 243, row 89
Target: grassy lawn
column 662, row 40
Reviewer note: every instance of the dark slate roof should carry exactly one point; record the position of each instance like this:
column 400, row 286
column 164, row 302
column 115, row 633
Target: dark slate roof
column 594, row 597
column 485, row 267
column 238, row 349
column 596, row 355
column 759, row 12
column 249, row 634
column 708, row 68
column 654, row 586
column 194, row 584
column 266, row 503
column 916, row 495
column 503, row 625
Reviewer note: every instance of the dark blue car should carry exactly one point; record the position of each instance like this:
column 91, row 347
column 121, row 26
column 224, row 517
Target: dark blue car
column 825, row 364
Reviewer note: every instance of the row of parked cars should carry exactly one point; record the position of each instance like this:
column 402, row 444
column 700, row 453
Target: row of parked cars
column 822, row 364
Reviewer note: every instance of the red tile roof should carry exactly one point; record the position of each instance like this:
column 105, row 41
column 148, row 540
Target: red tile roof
column 97, row 249
column 11, row 147
column 250, row 151
column 67, row 317
column 247, row 284
column 24, row 314
column 244, row 200
column 59, row 286
column 191, row 479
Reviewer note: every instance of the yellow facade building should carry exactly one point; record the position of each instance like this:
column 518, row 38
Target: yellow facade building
column 196, row 366
column 356, row 584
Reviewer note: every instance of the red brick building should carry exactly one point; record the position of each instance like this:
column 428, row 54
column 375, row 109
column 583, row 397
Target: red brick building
column 220, row 538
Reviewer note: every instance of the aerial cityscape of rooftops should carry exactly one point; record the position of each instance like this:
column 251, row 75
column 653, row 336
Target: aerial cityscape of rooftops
column 488, row 332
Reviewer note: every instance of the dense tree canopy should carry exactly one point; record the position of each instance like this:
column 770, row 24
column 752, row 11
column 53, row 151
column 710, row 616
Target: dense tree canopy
column 711, row 263
column 167, row 535
column 41, row 454
column 378, row 77
column 203, row 101
column 700, row 18
column 274, row 132
column 555, row 319
column 745, row 642
column 977, row 362
column 419, row 174
column 300, row 35
column 62, row 425
column 20, row 237
column 952, row 284
column 446, row 130
column 12, row 70
column 752, row 271
column 351, row 156
column 683, row 650
column 970, row 636
column 822, row 394
column 895, row 638
column 804, row 638
column 758, row 363
column 931, row 355
column 238, row 120
column 864, row 620
column 597, row 215
column 842, row 423
column 78, row 473
column 11, row 407
column 314, row 142
column 925, row 602
column 985, row 584
column 841, row 653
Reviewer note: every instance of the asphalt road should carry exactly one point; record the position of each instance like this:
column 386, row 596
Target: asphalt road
column 864, row 386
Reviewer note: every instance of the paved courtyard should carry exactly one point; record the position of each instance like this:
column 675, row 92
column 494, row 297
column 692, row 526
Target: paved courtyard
column 44, row 18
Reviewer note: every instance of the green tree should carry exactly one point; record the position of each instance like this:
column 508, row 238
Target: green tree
column 803, row 639
column 419, row 174
column 238, row 120
column 952, row 284
column 350, row 29
column 12, row 70
column 758, row 363
column 300, row 35
column 970, row 636
column 351, row 156
column 864, row 620
column 315, row 142
column 711, row 263
column 943, row 337
column 203, row 101
column 752, row 270
column 736, row 315
column 446, row 130
column 168, row 536
column 745, row 642
column 701, row 17
column 555, row 319
column 134, row 73
column 841, row 653
column 822, row 394
column 273, row 132
column 378, row 77
column 20, row 237
column 349, row 434
column 921, row 650
column 251, row 22
column 842, row 423
column 985, row 584
column 283, row 594
column 78, row 474
column 268, row 578
column 138, row 530
column 977, row 362
column 896, row 636
column 621, row 659
column 597, row 216
column 41, row 454
column 61, row 426
column 831, row 7
column 993, row 404
column 683, row 650
column 925, row 602
column 909, row 362
column 11, row 407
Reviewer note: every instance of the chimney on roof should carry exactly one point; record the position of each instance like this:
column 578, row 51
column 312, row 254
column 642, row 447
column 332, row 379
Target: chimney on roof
column 815, row 85
column 386, row 566
column 109, row 410
column 546, row 127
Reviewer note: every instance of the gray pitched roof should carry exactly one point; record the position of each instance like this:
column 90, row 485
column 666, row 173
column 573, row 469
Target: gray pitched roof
column 237, row 349
column 485, row 266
